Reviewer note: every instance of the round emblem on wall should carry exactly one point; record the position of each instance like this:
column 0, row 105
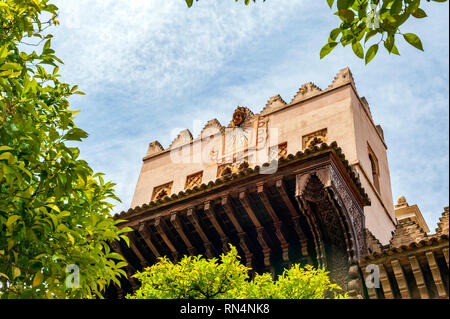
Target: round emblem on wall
column 238, row 117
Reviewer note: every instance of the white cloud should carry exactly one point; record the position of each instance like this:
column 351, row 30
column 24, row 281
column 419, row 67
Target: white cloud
column 160, row 46
column 149, row 66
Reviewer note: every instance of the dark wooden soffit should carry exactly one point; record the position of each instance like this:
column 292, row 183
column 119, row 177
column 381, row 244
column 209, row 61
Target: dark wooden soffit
column 291, row 165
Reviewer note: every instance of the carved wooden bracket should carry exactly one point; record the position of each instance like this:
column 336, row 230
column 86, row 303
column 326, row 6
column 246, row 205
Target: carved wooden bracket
column 211, row 214
column 175, row 220
column 241, row 233
column 294, row 215
column 276, row 221
column 145, row 234
column 163, row 231
column 193, row 218
column 259, row 228
column 136, row 250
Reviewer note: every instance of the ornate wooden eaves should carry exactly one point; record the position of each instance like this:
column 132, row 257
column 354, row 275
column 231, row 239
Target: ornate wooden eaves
column 272, row 219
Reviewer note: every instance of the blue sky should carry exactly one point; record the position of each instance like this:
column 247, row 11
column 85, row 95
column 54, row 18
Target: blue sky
column 151, row 68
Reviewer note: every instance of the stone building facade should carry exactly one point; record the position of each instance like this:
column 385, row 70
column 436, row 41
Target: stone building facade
column 414, row 264
column 306, row 181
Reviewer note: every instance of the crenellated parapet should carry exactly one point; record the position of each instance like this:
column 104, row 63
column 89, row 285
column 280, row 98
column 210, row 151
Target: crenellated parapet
column 184, row 137
column 243, row 116
column 310, row 90
column 306, row 91
column 372, row 243
column 154, row 148
column 342, row 78
column 212, row 127
column 406, row 232
column 275, row 103
column 443, row 222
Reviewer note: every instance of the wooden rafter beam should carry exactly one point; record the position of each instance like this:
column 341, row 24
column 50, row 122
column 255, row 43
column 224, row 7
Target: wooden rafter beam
column 262, row 194
column 136, row 250
column 175, row 220
column 385, row 283
column 259, row 228
column 294, row 216
column 372, row 290
column 418, row 276
column 241, row 233
column 193, row 218
column 436, row 274
column 445, row 253
column 401, row 279
column 145, row 234
column 163, row 231
column 212, row 216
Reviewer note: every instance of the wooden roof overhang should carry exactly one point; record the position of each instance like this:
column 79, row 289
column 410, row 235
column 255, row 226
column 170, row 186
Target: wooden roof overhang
column 294, row 214
column 418, row 270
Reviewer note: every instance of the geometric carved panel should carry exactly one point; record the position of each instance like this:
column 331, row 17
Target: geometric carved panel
column 315, row 138
column 193, row 180
column 224, row 169
column 162, row 191
column 231, row 168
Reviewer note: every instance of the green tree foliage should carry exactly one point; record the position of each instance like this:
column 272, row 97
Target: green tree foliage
column 54, row 211
column 362, row 20
column 200, row 278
